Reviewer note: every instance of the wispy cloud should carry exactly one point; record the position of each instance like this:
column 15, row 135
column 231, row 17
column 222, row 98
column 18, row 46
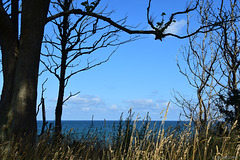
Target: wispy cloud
column 85, row 102
column 176, row 27
column 113, row 107
column 145, row 104
column 149, row 104
column 90, row 102
column 84, row 106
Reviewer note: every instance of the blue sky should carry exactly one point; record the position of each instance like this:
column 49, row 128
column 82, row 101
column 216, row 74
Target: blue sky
column 141, row 74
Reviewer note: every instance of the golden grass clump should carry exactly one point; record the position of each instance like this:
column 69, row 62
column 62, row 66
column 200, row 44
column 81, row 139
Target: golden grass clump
column 131, row 142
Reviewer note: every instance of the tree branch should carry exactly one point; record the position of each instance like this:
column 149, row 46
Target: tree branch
column 106, row 19
column 158, row 32
column 71, row 95
column 89, row 67
column 6, row 26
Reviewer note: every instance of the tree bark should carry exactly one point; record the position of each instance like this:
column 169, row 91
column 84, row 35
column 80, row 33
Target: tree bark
column 61, row 90
column 9, row 47
column 9, row 63
column 43, row 115
column 64, row 52
column 58, row 111
column 20, row 65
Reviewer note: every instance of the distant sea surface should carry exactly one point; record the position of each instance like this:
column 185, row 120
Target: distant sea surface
column 81, row 128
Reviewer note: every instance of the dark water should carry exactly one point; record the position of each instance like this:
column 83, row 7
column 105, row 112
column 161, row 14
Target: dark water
column 81, row 128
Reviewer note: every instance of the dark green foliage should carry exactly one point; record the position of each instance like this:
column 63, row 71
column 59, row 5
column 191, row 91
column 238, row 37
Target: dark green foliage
column 122, row 139
column 142, row 131
column 160, row 24
column 229, row 106
column 89, row 7
column 117, row 135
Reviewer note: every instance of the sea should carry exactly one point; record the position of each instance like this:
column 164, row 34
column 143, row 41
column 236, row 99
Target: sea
column 82, row 128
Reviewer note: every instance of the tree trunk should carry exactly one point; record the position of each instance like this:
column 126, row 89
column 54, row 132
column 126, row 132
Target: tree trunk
column 61, row 90
column 58, row 111
column 18, row 107
column 64, row 52
column 9, row 60
column 9, row 48
column 43, row 115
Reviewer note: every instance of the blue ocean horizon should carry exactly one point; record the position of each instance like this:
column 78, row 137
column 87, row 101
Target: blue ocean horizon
column 81, row 128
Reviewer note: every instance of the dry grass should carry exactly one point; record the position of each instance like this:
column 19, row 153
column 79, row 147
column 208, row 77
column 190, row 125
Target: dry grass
column 131, row 142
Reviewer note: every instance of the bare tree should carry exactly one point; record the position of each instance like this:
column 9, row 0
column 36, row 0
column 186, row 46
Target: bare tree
column 229, row 97
column 212, row 60
column 202, row 60
column 75, row 39
column 42, row 103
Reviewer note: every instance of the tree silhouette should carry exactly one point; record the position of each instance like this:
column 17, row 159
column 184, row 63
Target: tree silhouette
column 74, row 39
